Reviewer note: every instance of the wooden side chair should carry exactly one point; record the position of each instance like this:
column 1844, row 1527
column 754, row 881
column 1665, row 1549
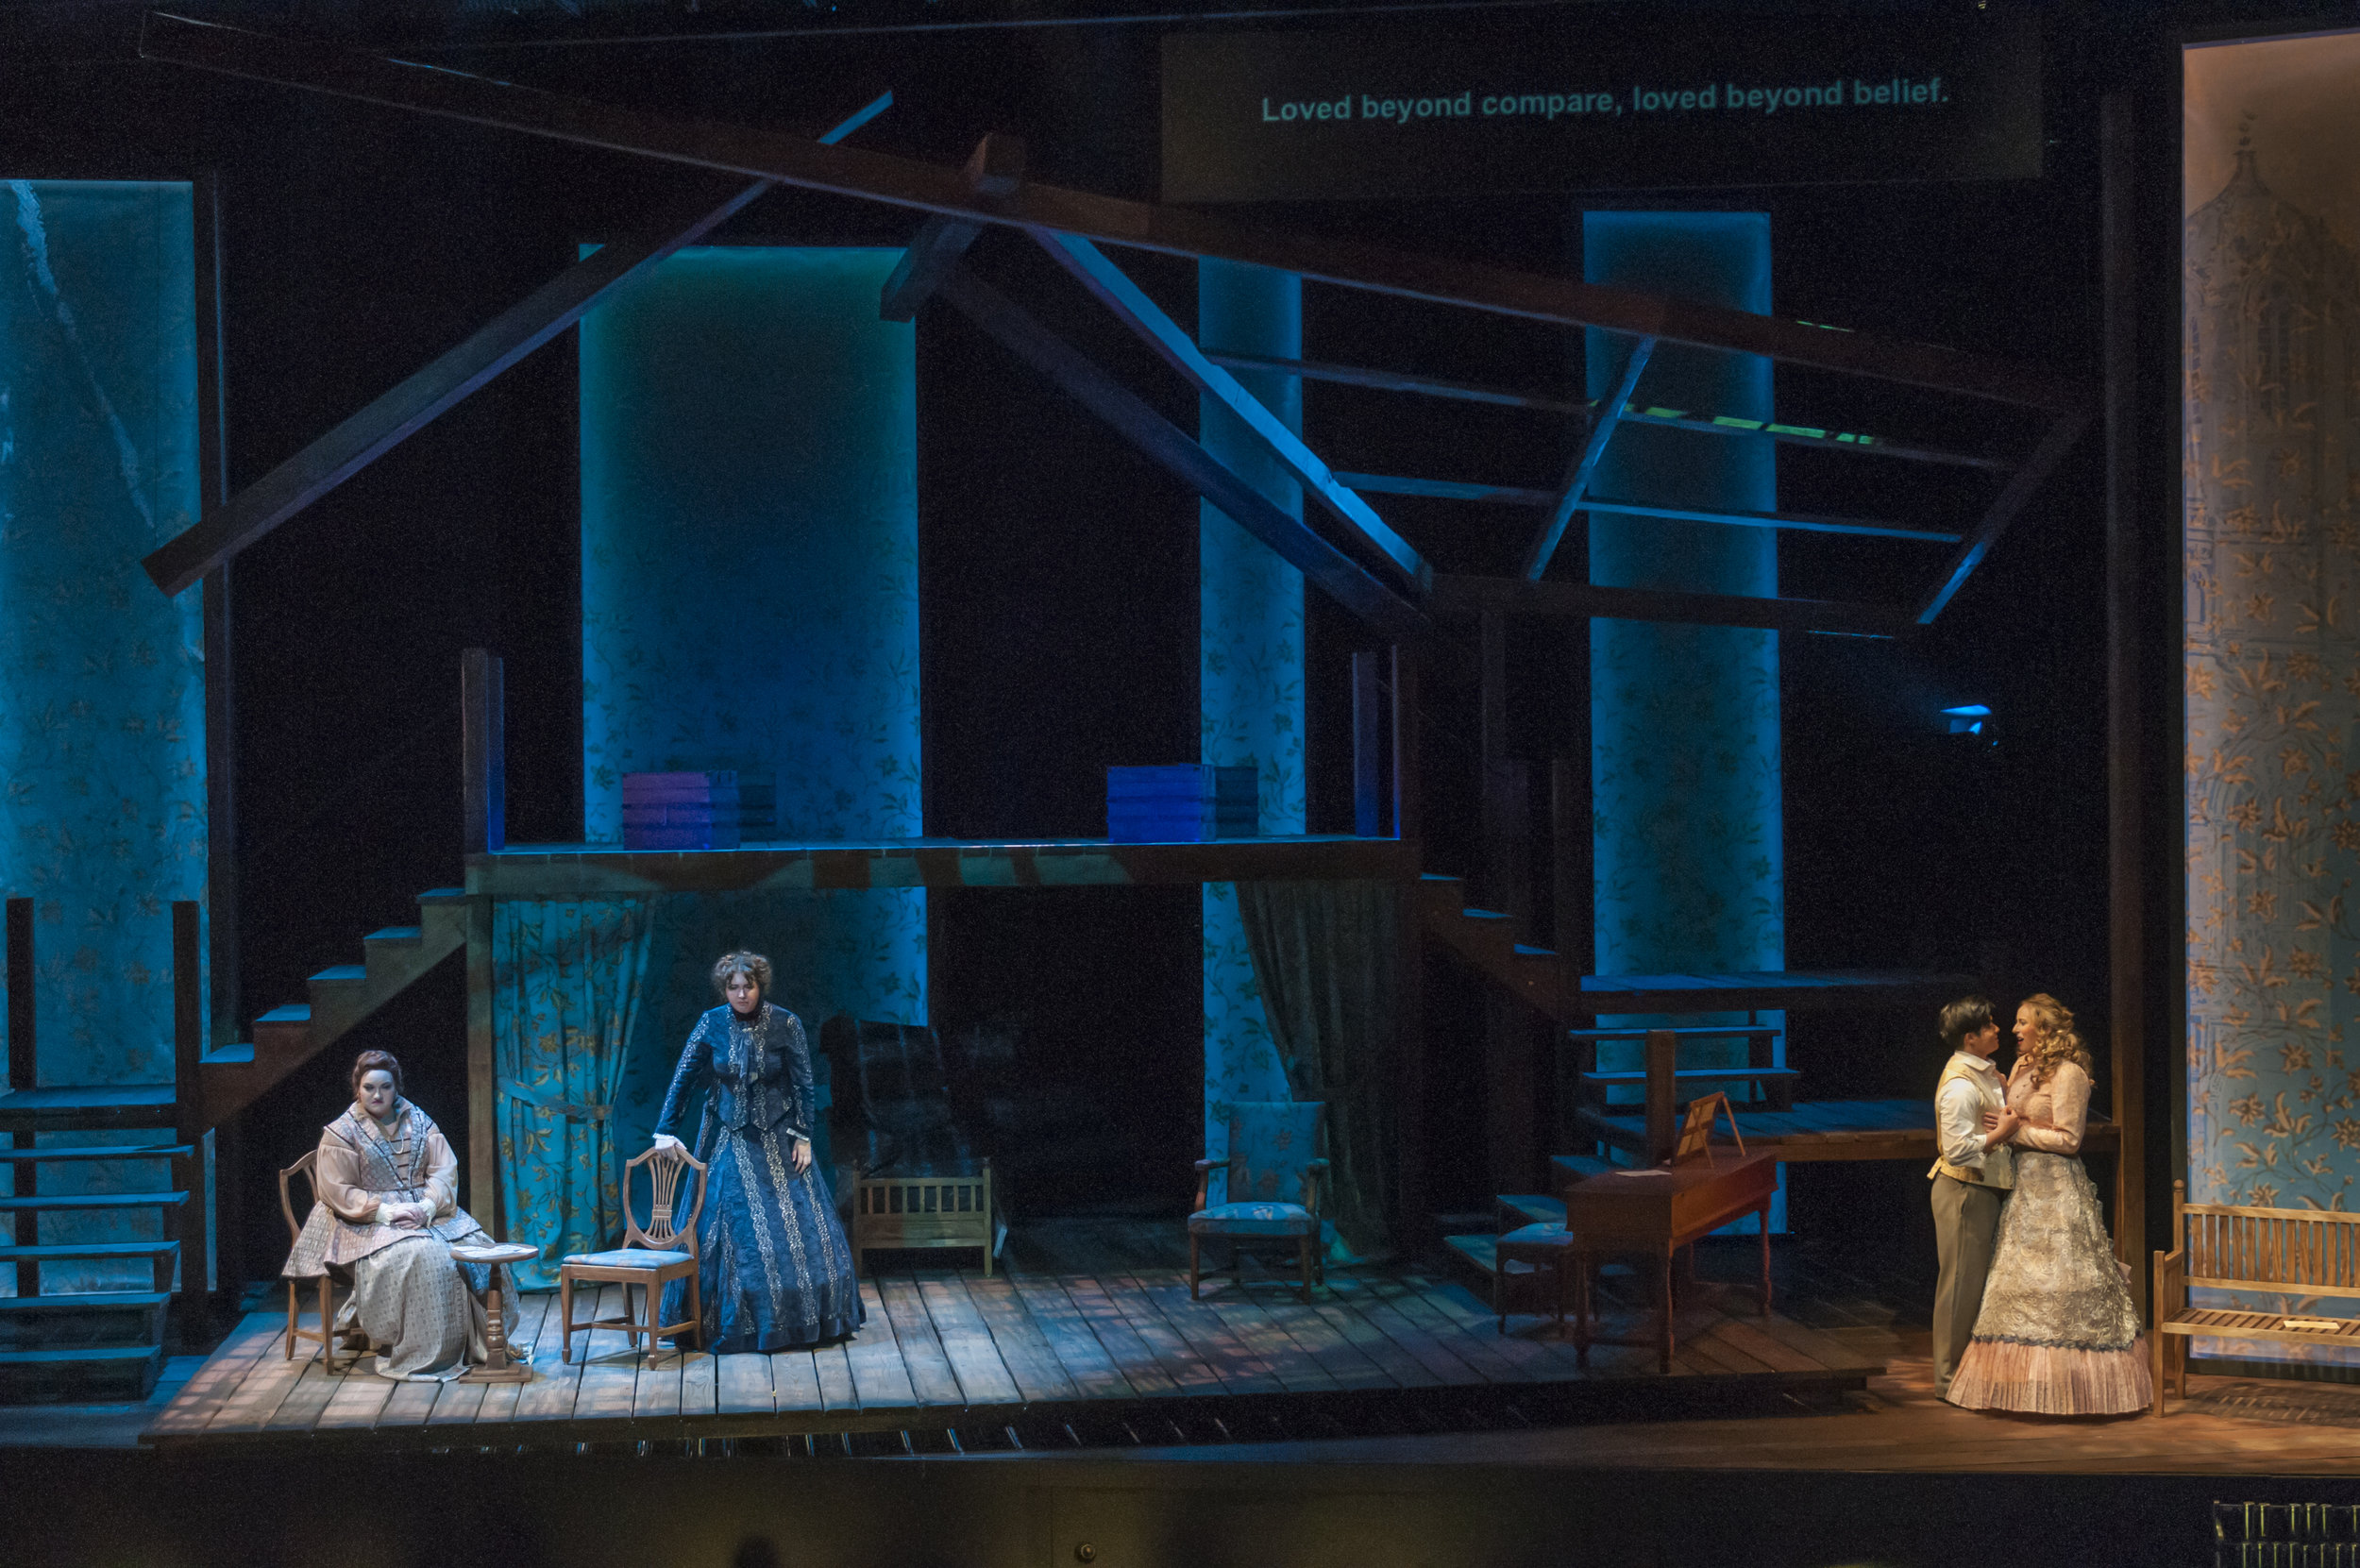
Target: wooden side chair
column 648, row 1259
column 326, row 1335
column 1273, row 1150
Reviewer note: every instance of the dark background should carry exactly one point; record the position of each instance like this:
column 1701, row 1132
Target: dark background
column 1057, row 568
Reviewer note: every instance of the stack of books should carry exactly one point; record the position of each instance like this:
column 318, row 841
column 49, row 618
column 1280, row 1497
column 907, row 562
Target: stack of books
column 681, row 811
column 1184, row 804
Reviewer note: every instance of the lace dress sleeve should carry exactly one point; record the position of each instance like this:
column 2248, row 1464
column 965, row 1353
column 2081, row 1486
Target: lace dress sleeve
column 2069, row 1104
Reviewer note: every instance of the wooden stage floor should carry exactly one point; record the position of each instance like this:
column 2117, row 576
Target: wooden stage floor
column 956, row 1363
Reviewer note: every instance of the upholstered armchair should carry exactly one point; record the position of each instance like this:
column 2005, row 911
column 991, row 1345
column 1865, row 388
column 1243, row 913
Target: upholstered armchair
column 1272, row 1187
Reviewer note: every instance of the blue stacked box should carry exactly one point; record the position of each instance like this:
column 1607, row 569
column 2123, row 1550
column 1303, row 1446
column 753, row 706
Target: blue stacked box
column 1186, row 803
column 681, row 811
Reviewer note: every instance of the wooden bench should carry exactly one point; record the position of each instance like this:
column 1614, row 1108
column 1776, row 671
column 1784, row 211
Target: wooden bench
column 2305, row 1253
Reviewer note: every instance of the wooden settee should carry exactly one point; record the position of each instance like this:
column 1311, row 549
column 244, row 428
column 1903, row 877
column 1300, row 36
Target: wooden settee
column 2305, row 1253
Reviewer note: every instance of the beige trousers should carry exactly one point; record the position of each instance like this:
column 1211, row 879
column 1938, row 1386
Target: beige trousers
column 1967, row 1223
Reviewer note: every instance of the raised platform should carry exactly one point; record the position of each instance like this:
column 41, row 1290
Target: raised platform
column 568, row 871
column 1828, row 1129
column 1115, row 1359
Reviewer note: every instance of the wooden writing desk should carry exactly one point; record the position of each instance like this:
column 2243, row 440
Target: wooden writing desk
column 1659, row 1209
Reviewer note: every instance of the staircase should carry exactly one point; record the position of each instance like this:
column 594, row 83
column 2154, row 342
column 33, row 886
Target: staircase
column 1486, row 939
column 107, row 1345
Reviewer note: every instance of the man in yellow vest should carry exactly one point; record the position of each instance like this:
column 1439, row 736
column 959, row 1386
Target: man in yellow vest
column 1971, row 1177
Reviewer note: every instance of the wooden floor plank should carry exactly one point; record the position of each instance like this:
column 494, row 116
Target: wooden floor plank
column 460, row 1403
column 1829, row 1352
column 837, row 1391
column 1024, row 1350
column 1746, row 1335
column 656, row 1395
column 556, row 1383
column 931, row 1378
column 745, row 1385
column 1718, row 1355
column 409, row 1404
column 1131, row 1355
column 609, row 1369
column 795, row 1381
column 1375, row 1310
column 984, row 1378
column 1535, row 1358
column 1241, row 1370
column 1087, row 1362
column 268, row 1381
column 300, row 1410
column 1483, row 1353
column 880, row 1378
column 700, row 1383
column 1189, row 1373
column 212, row 1384
column 358, row 1399
column 1404, row 1370
column 502, row 1399
column 1250, row 1321
column 1344, row 1362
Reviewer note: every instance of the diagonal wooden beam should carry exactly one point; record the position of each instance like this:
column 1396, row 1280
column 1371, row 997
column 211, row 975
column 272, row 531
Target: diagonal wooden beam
column 1460, row 597
column 1072, row 372
column 995, row 170
column 1397, row 380
column 1447, row 490
column 1113, row 288
column 2062, row 433
column 935, row 188
column 1586, row 462
column 1800, row 522
column 444, row 382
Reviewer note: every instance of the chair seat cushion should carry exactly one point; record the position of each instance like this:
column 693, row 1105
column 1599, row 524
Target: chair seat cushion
column 1253, row 1220
column 1545, row 1234
column 630, row 1258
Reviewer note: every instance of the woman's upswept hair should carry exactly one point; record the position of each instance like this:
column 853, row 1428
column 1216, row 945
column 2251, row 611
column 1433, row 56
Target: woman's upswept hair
column 2054, row 1041
column 753, row 965
column 375, row 1061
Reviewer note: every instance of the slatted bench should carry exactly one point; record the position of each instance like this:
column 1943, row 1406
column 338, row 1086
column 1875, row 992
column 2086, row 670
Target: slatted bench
column 2304, row 1252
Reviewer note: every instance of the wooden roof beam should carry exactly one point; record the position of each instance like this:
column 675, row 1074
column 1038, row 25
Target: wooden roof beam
column 934, row 187
column 1180, row 454
column 1462, row 597
column 1112, row 287
column 442, row 384
column 1586, row 462
column 995, row 169
column 2062, row 432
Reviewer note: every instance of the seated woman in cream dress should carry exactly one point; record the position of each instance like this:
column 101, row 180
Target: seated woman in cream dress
column 2058, row 1334
column 387, row 1183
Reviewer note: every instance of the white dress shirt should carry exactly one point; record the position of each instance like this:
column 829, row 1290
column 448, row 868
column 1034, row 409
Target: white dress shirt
column 1958, row 1119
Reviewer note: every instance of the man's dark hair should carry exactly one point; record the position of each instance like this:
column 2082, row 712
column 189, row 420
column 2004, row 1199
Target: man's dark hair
column 1969, row 1015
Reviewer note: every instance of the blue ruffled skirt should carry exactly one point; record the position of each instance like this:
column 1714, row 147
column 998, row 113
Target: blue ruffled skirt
column 776, row 1269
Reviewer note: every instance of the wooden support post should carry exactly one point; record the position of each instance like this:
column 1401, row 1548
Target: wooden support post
column 1409, row 820
column 25, row 1230
column 1506, row 787
column 482, row 751
column 1367, row 757
column 1410, row 1045
column 483, row 1184
column 2125, row 754
column 1569, row 860
column 1662, row 1057
column 192, row 1224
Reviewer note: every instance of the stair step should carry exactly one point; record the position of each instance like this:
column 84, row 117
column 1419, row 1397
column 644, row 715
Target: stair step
column 341, row 974
column 65, row 1252
column 1534, row 1208
column 229, row 1055
column 85, row 1353
column 1525, row 951
column 1482, row 915
column 294, row 1012
column 444, row 895
column 87, row 1298
column 1696, row 1074
column 45, row 1202
column 92, row 1151
column 87, row 1107
column 392, row 934
column 84, row 1374
column 1437, row 877
column 1569, row 1169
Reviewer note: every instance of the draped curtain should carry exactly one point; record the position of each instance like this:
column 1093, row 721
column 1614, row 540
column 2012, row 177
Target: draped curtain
column 1323, row 958
column 569, row 981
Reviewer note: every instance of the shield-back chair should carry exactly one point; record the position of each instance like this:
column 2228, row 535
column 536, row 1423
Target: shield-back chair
column 647, row 1260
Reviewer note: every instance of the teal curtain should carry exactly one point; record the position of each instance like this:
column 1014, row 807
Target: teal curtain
column 1323, row 960
column 569, row 981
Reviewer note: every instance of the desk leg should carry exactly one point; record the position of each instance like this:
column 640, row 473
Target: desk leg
column 1761, row 1218
column 1663, row 1332
column 496, row 1367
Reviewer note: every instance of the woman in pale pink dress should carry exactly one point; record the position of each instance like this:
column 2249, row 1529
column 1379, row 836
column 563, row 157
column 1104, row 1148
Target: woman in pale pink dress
column 2058, row 1334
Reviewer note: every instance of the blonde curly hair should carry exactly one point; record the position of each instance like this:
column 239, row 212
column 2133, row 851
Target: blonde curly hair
column 2054, row 1041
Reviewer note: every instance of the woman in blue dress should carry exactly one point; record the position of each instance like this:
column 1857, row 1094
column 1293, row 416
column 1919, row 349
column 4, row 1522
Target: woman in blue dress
column 774, row 1270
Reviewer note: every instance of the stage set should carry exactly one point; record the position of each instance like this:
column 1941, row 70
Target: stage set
column 1370, row 677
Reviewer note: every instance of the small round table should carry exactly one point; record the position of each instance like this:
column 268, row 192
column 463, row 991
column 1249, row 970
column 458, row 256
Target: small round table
column 498, row 1366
